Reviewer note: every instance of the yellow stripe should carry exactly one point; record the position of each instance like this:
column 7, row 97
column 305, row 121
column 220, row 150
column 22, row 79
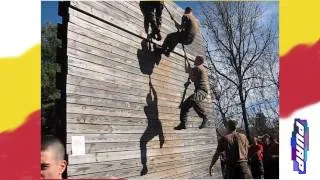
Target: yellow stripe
column 299, row 23
column 20, row 88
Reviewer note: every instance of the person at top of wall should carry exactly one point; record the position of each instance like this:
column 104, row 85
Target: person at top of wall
column 152, row 12
column 185, row 34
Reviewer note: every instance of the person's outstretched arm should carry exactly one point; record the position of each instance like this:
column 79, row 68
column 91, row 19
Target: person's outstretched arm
column 187, row 66
column 213, row 161
column 215, row 157
column 188, row 70
column 178, row 26
column 155, row 97
column 184, row 23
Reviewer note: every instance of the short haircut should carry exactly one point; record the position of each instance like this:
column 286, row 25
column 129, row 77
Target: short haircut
column 232, row 125
column 188, row 9
column 255, row 139
column 272, row 139
column 266, row 136
column 53, row 143
column 199, row 60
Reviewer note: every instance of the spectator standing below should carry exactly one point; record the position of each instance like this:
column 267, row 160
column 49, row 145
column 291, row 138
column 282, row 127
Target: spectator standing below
column 274, row 150
column 236, row 147
column 271, row 158
column 256, row 159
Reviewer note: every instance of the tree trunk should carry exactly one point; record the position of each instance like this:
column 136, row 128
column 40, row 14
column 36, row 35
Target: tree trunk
column 244, row 113
column 224, row 119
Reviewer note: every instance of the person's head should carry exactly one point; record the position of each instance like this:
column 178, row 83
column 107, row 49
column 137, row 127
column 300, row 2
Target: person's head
column 273, row 140
column 266, row 139
column 52, row 158
column 188, row 10
column 254, row 140
column 232, row 125
column 198, row 61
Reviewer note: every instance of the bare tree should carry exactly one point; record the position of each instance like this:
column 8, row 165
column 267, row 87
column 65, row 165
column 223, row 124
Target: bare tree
column 222, row 91
column 240, row 44
column 270, row 94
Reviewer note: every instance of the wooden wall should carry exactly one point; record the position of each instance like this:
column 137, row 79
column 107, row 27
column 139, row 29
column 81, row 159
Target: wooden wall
column 105, row 87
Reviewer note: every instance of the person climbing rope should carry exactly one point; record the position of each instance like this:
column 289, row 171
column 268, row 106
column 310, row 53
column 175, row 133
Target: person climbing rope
column 152, row 11
column 199, row 76
column 185, row 34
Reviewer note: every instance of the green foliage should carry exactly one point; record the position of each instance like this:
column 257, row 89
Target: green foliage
column 49, row 42
column 49, row 67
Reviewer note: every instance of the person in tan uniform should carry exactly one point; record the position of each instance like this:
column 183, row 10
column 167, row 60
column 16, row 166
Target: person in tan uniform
column 199, row 76
column 185, row 34
column 236, row 146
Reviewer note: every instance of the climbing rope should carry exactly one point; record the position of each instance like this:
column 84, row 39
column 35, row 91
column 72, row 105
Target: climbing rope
column 170, row 13
column 185, row 58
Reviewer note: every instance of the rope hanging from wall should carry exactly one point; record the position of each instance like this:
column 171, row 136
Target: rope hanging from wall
column 185, row 57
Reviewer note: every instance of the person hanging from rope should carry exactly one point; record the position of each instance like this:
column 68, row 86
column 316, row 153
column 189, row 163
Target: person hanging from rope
column 199, row 76
column 185, row 34
column 152, row 11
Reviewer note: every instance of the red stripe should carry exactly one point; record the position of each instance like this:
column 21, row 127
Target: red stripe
column 299, row 78
column 20, row 150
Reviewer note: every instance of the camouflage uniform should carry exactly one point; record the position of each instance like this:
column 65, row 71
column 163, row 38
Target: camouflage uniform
column 199, row 76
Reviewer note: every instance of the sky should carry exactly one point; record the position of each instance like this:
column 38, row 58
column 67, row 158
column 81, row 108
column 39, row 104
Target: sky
column 49, row 13
column 194, row 4
column 49, row 10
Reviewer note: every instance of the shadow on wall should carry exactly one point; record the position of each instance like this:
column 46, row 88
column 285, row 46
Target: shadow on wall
column 147, row 57
column 154, row 127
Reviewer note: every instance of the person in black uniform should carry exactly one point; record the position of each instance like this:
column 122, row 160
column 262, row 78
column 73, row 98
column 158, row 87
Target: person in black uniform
column 152, row 11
